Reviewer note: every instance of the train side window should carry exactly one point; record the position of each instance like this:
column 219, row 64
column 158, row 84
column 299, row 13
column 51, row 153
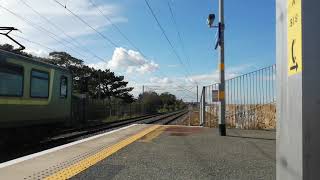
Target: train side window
column 63, row 87
column 11, row 80
column 39, row 85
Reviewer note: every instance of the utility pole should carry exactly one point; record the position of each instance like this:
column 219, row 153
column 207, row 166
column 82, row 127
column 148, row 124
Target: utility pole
column 142, row 89
column 220, row 44
column 222, row 124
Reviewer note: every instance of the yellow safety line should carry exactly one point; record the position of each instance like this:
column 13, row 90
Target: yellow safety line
column 74, row 169
column 149, row 137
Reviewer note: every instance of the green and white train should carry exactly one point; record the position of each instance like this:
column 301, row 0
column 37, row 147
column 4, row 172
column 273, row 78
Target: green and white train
column 33, row 93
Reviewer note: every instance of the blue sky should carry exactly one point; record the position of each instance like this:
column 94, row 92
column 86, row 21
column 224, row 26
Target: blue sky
column 250, row 37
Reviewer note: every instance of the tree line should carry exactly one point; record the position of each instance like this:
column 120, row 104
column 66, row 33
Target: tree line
column 160, row 102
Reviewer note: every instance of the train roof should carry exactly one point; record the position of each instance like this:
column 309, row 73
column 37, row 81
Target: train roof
column 33, row 60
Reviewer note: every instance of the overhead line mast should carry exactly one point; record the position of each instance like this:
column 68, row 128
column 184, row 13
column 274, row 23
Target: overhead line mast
column 220, row 44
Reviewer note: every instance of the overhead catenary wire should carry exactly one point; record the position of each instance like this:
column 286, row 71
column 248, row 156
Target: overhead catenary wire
column 166, row 37
column 108, row 39
column 119, row 30
column 86, row 23
column 53, row 36
column 75, row 41
column 37, row 27
column 33, row 42
column 40, row 28
column 179, row 34
column 115, row 26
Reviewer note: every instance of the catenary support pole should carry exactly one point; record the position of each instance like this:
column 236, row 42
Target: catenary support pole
column 222, row 125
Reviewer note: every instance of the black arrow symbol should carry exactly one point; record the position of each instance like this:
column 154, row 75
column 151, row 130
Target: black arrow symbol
column 295, row 66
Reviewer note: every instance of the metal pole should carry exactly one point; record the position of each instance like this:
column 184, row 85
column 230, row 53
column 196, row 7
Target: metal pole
column 197, row 95
column 222, row 125
column 200, row 111
column 203, row 107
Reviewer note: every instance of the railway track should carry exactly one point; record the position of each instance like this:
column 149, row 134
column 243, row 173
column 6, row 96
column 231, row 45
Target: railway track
column 71, row 135
column 96, row 129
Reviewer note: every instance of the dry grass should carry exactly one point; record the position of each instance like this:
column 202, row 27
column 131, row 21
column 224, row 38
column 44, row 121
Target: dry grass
column 192, row 119
column 244, row 116
column 238, row 116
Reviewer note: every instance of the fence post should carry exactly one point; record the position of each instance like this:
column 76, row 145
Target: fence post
column 202, row 110
column 204, row 106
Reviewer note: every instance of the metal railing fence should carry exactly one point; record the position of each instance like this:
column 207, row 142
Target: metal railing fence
column 86, row 109
column 250, row 101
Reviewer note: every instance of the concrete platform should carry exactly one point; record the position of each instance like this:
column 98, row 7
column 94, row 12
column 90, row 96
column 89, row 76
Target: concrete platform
column 68, row 160
column 154, row 152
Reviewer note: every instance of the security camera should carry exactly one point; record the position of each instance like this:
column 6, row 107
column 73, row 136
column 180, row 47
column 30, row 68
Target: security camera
column 210, row 20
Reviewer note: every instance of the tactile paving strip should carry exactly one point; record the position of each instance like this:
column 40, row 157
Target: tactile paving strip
column 83, row 161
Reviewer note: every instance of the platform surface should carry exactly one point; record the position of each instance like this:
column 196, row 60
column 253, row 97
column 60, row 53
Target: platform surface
column 192, row 153
column 157, row 152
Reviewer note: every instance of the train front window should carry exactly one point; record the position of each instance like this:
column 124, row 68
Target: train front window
column 39, row 87
column 11, row 80
column 63, row 87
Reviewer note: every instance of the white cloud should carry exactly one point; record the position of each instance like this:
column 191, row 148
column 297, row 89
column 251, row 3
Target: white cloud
column 130, row 61
column 161, row 81
column 99, row 65
column 38, row 53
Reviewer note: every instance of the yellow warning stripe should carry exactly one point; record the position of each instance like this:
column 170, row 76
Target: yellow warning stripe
column 149, row 137
column 74, row 169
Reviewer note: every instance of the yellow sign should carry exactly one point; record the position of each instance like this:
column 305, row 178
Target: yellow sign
column 294, row 37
